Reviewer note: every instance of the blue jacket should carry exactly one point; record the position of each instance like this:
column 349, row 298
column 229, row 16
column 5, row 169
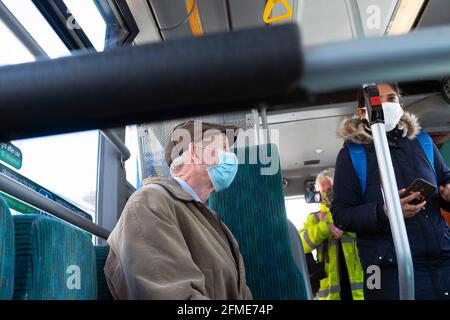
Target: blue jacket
column 428, row 233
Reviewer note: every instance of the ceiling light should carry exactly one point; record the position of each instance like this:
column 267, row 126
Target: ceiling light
column 405, row 16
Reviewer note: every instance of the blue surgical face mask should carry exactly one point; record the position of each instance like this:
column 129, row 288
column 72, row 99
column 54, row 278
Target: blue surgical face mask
column 223, row 173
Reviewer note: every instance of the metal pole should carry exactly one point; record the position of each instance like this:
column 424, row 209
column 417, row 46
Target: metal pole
column 354, row 16
column 117, row 143
column 390, row 188
column 263, row 112
column 396, row 220
column 31, row 197
column 20, row 32
column 420, row 54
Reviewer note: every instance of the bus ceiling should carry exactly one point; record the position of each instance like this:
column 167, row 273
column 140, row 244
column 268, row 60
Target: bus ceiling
column 231, row 71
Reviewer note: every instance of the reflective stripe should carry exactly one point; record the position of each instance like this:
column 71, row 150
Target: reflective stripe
column 357, row 286
column 346, row 239
column 326, row 292
column 320, row 247
column 332, row 242
column 316, row 218
column 308, row 240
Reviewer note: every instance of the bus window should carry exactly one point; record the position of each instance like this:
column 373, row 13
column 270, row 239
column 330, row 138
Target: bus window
column 32, row 20
column 132, row 165
column 86, row 16
column 64, row 164
column 13, row 51
column 297, row 210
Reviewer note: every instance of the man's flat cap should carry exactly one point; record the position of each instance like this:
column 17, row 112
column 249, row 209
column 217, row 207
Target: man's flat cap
column 197, row 131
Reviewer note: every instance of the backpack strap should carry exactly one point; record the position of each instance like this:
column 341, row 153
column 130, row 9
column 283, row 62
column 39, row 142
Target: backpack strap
column 427, row 146
column 359, row 160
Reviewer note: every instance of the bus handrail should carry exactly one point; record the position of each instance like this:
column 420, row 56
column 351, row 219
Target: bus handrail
column 375, row 116
column 35, row 199
column 20, row 32
column 117, row 143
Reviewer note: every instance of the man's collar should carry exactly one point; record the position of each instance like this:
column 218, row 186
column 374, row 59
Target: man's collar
column 187, row 188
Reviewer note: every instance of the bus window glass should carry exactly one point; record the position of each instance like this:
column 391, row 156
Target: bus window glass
column 64, row 164
column 132, row 164
column 33, row 21
column 13, row 51
column 90, row 20
column 297, row 210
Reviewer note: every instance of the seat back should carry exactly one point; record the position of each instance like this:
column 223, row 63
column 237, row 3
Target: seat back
column 299, row 257
column 101, row 254
column 6, row 252
column 253, row 208
column 54, row 261
column 445, row 151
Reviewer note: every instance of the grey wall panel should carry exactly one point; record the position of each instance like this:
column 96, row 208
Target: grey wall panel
column 246, row 14
column 437, row 12
column 172, row 18
column 213, row 14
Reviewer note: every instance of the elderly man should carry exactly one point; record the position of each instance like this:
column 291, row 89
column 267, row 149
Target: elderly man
column 336, row 249
column 167, row 243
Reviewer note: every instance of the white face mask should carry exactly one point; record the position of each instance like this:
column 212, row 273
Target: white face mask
column 392, row 113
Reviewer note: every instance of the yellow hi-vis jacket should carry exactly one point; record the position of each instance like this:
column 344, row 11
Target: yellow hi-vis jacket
column 316, row 236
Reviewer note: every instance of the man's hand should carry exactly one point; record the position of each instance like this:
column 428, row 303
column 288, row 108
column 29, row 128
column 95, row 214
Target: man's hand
column 321, row 215
column 410, row 210
column 335, row 232
column 445, row 192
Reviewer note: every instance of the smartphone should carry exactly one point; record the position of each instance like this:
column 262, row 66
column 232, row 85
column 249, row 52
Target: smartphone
column 425, row 188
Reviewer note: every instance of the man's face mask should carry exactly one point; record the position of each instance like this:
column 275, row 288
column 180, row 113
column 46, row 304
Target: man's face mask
column 327, row 198
column 223, row 173
column 392, row 113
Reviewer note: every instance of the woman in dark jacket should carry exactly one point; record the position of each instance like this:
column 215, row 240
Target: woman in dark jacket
column 428, row 233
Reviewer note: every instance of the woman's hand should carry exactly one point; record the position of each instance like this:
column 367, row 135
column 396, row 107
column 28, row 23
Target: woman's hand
column 410, row 210
column 445, row 192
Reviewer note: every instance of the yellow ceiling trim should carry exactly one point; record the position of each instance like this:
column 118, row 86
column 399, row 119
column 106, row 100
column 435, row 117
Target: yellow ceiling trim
column 194, row 18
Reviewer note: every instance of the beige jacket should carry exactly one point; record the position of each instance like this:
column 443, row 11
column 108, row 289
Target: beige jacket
column 168, row 246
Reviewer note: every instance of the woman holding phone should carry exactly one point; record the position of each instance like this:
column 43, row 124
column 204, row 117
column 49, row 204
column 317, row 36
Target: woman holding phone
column 360, row 208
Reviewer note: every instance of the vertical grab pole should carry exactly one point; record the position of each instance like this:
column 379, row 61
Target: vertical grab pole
column 396, row 220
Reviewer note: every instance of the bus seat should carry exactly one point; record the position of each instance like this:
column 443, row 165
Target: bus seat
column 6, row 252
column 101, row 254
column 254, row 210
column 299, row 257
column 54, row 261
column 445, row 151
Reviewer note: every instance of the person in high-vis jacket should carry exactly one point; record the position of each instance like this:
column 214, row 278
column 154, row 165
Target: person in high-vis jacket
column 335, row 248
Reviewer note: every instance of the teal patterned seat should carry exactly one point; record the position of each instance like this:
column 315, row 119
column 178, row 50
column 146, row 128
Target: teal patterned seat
column 6, row 252
column 54, row 261
column 101, row 254
column 253, row 209
column 445, row 151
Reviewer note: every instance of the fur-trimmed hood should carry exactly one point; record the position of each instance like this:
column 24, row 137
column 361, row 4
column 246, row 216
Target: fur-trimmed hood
column 356, row 130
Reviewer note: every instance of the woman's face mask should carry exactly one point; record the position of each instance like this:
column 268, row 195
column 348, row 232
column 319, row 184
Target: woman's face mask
column 392, row 111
